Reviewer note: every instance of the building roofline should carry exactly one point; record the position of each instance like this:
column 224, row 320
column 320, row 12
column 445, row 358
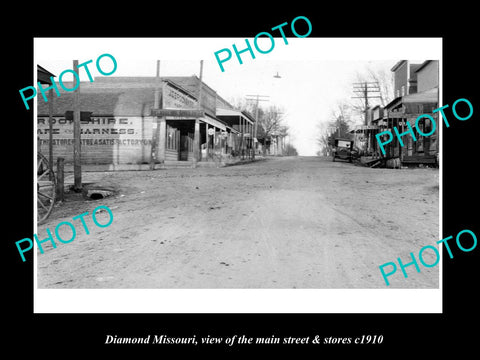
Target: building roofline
column 392, row 102
column 425, row 63
column 43, row 75
column 398, row 64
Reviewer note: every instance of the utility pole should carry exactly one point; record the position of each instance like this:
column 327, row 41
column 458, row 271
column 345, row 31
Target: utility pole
column 257, row 98
column 77, row 166
column 363, row 89
column 197, row 151
column 155, row 121
column 157, row 87
column 200, row 85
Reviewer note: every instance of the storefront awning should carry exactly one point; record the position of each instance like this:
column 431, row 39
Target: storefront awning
column 233, row 112
column 362, row 128
column 428, row 96
column 189, row 114
column 214, row 122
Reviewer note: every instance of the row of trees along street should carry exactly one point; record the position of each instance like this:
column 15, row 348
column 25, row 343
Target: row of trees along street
column 349, row 112
column 270, row 122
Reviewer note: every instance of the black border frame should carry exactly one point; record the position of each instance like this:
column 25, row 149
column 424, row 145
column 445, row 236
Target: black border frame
column 413, row 333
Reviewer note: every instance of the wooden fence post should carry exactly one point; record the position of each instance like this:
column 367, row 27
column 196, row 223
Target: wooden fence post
column 60, row 179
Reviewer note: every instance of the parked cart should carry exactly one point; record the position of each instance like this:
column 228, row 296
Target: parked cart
column 46, row 182
column 46, row 188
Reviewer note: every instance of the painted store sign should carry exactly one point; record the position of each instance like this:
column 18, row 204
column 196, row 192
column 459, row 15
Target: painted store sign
column 104, row 139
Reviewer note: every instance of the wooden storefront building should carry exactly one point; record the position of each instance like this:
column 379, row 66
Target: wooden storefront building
column 244, row 124
column 416, row 87
column 142, row 122
column 407, row 109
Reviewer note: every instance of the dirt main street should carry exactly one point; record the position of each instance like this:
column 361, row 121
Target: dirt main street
column 293, row 222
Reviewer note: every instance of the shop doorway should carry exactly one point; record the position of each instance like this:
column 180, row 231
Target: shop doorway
column 186, row 147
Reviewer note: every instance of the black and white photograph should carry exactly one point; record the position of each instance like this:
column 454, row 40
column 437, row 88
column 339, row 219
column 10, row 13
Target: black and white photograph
column 266, row 175
column 190, row 182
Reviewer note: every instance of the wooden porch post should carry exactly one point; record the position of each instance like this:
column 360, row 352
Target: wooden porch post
column 196, row 142
column 249, row 143
column 162, row 133
column 244, row 147
column 177, row 136
column 251, row 151
column 241, row 137
column 400, row 152
column 214, row 139
column 208, row 142
column 156, row 124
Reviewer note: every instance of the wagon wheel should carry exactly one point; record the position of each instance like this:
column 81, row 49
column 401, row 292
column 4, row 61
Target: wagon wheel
column 46, row 186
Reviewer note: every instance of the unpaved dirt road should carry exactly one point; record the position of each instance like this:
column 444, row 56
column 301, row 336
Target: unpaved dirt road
column 293, row 222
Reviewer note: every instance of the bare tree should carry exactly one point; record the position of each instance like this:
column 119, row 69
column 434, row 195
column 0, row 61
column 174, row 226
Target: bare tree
column 240, row 103
column 340, row 120
column 290, row 150
column 323, row 141
column 383, row 83
column 270, row 122
column 338, row 126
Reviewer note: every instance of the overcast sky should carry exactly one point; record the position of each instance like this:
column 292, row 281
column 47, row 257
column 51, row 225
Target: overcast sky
column 316, row 73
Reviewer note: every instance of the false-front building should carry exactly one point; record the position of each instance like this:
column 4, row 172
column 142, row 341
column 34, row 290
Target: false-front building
column 129, row 122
